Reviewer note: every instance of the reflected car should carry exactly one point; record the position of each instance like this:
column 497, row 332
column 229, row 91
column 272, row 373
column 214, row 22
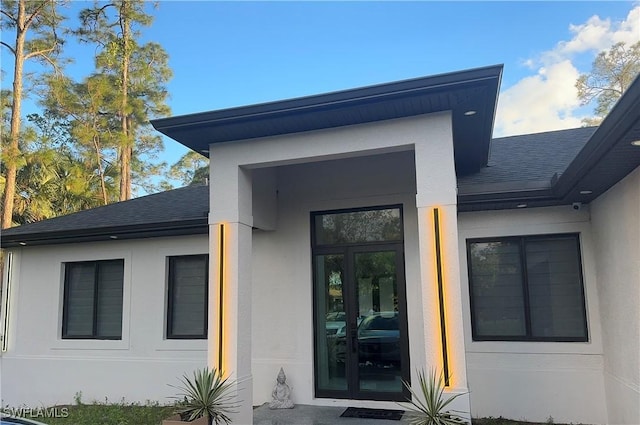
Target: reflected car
column 378, row 341
column 335, row 323
column 12, row 420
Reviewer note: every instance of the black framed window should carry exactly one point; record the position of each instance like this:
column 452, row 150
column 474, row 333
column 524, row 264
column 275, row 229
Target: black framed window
column 187, row 299
column 527, row 288
column 93, row 300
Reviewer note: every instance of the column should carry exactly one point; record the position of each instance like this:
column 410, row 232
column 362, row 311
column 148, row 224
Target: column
column 436, row 203
column 230, row 265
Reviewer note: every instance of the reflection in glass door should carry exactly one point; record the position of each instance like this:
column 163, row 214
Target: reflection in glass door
column 361, row 343
column 377, row 335
column 331, row 322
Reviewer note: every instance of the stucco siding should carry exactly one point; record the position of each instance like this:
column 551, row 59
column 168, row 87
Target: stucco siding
column 405, row 161
column 282, row 327
column 616, row 228
column 536, row 380
column 40, row 368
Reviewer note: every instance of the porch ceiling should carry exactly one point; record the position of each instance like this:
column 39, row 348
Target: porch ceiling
column 459, row 92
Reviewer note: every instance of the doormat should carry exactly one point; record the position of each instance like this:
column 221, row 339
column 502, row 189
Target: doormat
column 359, row 412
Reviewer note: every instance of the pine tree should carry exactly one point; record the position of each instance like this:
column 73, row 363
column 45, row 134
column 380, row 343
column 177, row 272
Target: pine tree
column 140, row 73
column 34, row 23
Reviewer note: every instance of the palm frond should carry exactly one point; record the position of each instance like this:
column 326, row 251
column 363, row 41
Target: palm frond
column 427, row 405
column 206, row 394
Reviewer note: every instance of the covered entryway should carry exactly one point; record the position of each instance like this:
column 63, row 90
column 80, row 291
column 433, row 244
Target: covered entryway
column 272, row 167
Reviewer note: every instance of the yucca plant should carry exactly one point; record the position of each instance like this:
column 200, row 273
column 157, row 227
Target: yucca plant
column 427, row 405
column 206, row 394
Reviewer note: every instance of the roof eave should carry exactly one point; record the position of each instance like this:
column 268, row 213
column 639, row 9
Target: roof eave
column 475, row 89
column 614, row 135
column 328, row 100
column 150, row 230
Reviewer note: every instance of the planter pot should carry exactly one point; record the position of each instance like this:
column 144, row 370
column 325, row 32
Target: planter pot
column 175, row 420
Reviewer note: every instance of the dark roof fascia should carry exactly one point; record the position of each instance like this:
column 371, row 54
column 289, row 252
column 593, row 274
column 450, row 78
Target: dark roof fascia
column 504, row 191
column 330, row 100
column 624, row 115
column 147, row 230
column 475, row 89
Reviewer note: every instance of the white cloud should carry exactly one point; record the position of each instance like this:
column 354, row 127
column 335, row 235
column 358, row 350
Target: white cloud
column 548, row 100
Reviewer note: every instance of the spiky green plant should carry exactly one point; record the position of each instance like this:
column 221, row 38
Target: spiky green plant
column 206, row 394
column 427, row 405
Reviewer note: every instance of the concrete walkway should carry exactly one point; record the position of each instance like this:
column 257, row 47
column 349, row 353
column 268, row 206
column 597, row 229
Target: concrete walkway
column 311, row 415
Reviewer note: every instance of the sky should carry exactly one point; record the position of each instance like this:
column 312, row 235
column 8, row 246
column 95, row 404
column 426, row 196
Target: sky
column 226, row 54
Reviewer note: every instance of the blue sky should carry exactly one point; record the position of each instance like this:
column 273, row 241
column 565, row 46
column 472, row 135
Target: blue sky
column 226, row 54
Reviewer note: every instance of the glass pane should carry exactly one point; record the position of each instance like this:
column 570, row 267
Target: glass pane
column 496, row 279
column 379, row 363
column 80, row 279
column 330, row 322
column 555, row 288
column 109, row 318
column 358, row 227
column 188, row 301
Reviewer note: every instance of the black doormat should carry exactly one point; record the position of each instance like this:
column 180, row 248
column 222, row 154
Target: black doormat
column 359, row 412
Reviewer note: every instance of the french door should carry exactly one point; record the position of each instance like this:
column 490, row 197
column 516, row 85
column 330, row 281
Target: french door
column 361, row 343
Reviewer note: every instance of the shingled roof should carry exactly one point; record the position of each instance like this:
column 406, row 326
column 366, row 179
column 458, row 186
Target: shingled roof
column 531, row 159
column 179, row 211
column 533, row 170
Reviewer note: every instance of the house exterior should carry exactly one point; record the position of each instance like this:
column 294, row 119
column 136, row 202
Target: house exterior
column 352, row 238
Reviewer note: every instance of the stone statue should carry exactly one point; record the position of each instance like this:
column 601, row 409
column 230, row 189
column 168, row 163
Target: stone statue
column 281, row 393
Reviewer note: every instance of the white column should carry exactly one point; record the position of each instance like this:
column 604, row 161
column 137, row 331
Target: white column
column 436, row 189
column 230, row 239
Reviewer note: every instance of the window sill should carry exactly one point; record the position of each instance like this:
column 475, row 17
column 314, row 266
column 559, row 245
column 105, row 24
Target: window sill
column 90, row 344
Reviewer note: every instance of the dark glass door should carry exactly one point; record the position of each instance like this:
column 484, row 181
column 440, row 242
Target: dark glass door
column 361, row 343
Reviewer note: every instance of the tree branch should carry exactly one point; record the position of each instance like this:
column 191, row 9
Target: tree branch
column 42, row 52
column 8, row 47
column 8, row 15
column 35, row 13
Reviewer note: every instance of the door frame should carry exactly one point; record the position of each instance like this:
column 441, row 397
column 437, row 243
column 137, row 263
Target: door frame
column 348, row 250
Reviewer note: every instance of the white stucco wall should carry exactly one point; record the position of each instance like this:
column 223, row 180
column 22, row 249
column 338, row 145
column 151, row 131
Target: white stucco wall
column 364, row 165
column 283, row 287
column 616, row 229
column 40, row 368
column 536, row 380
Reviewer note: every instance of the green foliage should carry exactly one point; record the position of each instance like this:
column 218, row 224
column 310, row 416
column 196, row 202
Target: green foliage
column 123, row 413
column 91, row 131
column 503, row 421
column 206, row 394
column 32, row 28
column 428, row 405
column 191, row 169
column 40, row 21
column 611, row 74
column 139, row 73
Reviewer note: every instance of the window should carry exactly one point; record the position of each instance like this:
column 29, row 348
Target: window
column 527, row 288
column 187, row 298
column 93, row 300
column 358, row 226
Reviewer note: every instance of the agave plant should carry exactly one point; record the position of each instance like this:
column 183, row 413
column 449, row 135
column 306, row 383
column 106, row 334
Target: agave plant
column 427, row 405
column 206, row 394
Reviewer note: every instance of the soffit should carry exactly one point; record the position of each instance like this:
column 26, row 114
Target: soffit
column 475, row 89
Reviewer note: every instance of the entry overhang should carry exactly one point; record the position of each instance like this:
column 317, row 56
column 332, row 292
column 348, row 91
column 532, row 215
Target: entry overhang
column 471, row 95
